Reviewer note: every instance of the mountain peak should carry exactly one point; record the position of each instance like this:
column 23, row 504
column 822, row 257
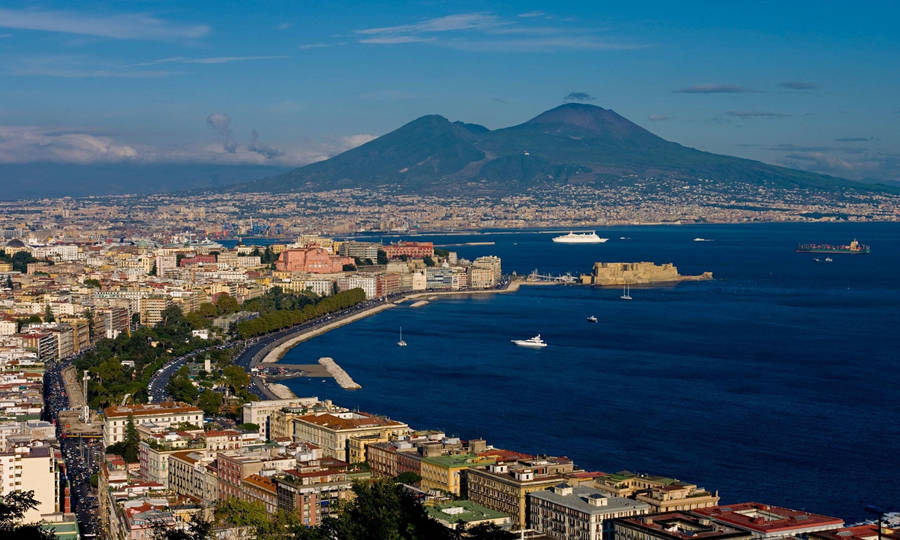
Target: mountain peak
column 584, row 116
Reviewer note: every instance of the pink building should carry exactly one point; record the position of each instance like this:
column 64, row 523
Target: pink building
column 312, row 259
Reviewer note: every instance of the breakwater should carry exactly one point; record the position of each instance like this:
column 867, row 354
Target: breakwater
column 340, row 376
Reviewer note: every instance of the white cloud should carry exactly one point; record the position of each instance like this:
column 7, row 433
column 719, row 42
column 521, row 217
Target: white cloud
column 77, row 66
column 352, row 141
column 463, row 21
column 485, row 32
column 29, row 144
column 22, row 144
column 316, row 45
column 393, row 40
column 4, row 36
column 208, row 60
column 124, row 26
column 283, row 26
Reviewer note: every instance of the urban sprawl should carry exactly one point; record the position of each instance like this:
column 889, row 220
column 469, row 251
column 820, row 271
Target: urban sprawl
column 136, row 399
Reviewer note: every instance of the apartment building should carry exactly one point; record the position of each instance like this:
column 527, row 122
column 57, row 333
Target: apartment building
column 578, row 512
column 165, row 414
column 673, row 526
column 331, row 430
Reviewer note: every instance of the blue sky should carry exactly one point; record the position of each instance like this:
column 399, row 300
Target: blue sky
column 807, row 84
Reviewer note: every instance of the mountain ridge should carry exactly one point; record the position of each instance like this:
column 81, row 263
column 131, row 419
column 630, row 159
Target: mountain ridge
column 572, row 143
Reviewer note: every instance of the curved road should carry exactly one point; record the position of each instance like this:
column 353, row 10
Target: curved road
column 254, row 351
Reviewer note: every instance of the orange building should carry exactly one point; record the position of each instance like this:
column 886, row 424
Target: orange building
column 413, row 250
column 311, row 259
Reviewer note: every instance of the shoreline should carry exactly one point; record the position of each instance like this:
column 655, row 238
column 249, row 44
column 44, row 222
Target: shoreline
column 277, row 353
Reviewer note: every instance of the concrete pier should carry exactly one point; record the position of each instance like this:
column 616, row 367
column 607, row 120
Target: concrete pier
column 341, row 376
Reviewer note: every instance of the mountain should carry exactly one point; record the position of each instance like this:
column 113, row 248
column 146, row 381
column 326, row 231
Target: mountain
column 572, row 143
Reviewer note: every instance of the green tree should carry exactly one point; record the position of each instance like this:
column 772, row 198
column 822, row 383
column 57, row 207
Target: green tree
column 197, row 529
column 210, row 402
column 132, row 440
column 89, row 315
column 488, row 531
column 226, row 304
column 207, row 310
column 383, row 510
column 236, row 378
column 9, row 283
column 408, row 477
column 48, row 314
column 13, row 507
column 382, row 257
column 428, row 261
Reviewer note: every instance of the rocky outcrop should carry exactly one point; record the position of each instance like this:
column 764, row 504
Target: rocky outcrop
column 607, row 274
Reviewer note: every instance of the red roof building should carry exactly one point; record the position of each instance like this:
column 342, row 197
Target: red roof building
column 766, row 521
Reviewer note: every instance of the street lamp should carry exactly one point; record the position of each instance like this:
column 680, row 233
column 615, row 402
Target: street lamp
column 880, row 512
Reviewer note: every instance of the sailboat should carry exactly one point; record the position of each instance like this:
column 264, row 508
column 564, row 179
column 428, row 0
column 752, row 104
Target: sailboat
column 626, row 292
column 401, row 343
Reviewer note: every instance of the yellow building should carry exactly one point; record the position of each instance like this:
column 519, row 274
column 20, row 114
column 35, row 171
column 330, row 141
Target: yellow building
column 445, row 472
column 663, row 494
column 332, row 431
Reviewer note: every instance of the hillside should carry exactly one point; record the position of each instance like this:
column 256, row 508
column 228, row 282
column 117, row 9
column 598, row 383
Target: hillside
column 572, row 143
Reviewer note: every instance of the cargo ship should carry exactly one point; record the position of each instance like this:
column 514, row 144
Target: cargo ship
column 853, row 247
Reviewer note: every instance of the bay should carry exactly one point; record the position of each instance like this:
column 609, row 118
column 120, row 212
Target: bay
column 776, row 382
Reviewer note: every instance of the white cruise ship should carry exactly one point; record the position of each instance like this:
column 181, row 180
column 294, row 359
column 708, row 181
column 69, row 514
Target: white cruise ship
column 579, row 238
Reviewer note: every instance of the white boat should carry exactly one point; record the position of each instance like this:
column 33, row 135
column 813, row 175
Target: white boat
column 828, row 259
column 532, row 343
column 592, row 318
column 401, row 343
column 698, row 239
column 579, row 238
column 626, row 292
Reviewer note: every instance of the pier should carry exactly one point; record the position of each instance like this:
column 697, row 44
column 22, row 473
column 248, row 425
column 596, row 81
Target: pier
column 341, row 376
column 536, row 276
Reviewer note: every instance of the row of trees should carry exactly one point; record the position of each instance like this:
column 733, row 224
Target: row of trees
column 112, row 376
column 381, row 510
column 283, row 318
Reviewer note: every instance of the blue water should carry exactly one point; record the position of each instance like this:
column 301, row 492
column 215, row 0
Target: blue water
column 777, row 382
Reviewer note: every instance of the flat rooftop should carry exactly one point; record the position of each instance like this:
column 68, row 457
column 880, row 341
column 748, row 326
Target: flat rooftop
column 578, row 501
column 463, row 510
column 767, row 519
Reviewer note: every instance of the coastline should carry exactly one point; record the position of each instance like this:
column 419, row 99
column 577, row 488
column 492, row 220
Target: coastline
column 274, row 355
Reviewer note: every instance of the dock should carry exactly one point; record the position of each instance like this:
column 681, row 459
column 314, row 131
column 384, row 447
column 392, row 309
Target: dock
column 341, row 376
column 420, row 303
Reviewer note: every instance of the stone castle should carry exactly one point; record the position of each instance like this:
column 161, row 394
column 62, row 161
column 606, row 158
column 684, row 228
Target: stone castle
column 636, row 273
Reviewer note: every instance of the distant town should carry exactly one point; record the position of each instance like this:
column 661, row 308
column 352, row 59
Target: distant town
column 139, row 395
column 350, row 211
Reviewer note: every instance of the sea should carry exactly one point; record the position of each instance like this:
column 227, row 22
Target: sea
column 776, row 382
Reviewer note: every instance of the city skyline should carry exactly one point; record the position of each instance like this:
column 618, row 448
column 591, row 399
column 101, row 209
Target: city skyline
column 158, row 83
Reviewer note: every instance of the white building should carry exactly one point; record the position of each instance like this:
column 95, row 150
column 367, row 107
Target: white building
column 565, row 511
column 260, row 412
column 31, row 468
column 166, row 414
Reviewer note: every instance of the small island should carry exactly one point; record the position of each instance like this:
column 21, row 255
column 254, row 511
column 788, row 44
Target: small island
column 608, row 274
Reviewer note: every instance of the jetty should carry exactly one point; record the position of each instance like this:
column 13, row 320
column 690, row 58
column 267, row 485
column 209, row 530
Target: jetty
column 341, row 376
column 420, row 303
